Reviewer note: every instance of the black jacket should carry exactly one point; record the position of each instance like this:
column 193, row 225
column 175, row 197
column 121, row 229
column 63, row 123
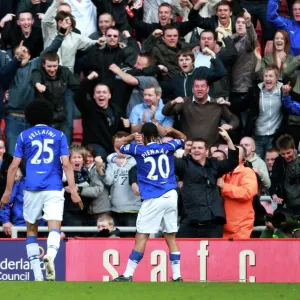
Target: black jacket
column 201, row 196
column 55, row 86
column 252, row 102
column 277, row 178
column 99, row 60
column 96, row 129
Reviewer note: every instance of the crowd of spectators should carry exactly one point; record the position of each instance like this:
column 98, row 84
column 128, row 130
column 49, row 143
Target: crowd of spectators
column 200, row 66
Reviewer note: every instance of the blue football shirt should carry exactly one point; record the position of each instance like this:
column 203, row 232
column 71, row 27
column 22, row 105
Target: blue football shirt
column 42, row 147
column 155, row 166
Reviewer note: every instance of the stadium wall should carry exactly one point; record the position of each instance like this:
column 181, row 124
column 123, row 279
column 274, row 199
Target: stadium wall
column 254, row 260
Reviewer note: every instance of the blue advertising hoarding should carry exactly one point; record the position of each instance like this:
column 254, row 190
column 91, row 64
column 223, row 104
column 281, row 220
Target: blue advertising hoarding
column 15, row 266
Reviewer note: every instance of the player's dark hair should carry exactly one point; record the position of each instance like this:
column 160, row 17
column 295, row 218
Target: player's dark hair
column 150, row 131
column 39, row 112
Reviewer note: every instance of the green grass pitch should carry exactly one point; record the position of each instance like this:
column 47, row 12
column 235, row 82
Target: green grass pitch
column 145, row 291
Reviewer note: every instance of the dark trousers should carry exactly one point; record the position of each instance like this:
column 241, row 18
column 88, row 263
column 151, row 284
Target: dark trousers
column 200, row 231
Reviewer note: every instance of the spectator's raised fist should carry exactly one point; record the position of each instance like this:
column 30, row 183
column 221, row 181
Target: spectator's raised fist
column 226, row 127
column 207, row 51
column 40, row 16
column 157, row 33
column 92, row 76
column 220, row 29
column 223, row 133
column 126, row 122
column 164, row 69
column 99, row 161
column 35, row 2
column 101, row 40
column 286, row 89
column 247, row 17
column 222, row 101
column 40, row 87
column 178, row 100
column 114, row 68
column 126, row 34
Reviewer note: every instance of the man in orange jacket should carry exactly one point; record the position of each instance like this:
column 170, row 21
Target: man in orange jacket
column 238, row 190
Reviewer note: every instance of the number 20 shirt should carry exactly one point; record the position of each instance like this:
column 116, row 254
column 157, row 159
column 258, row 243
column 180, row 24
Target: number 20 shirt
column 155, row 166
column 42, row 147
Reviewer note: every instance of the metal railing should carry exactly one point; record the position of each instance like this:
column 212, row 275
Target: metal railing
column 16, row 229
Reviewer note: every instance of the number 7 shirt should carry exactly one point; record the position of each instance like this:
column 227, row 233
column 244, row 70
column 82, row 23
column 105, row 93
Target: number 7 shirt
column 42, row 147
column 155, row 166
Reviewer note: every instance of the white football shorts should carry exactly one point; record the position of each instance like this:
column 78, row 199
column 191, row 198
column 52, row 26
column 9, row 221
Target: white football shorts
column 48, row 205
column 156, row 212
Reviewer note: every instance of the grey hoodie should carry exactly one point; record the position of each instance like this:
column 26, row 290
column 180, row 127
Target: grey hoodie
column 122, row 197
column 258, row 163
column 96, row 190
column 270, row 115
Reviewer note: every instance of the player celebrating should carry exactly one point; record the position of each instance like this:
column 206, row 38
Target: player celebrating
column 157, row 183
column 45, row 151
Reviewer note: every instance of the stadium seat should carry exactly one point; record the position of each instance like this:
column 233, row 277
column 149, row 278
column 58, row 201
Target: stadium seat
column 269, row 47
column 77, row 131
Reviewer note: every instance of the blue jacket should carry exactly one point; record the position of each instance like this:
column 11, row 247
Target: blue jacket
column 291, row 26
column 292, row 107
column 13, row 211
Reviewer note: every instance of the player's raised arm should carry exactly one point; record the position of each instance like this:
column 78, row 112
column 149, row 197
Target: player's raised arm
column 71, row 181
column 11, row 173
column 126, row 140
column 175, row 133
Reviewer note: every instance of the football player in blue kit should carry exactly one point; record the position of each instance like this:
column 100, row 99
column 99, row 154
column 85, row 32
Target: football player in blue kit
column 157, row 184
column 46, row 154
